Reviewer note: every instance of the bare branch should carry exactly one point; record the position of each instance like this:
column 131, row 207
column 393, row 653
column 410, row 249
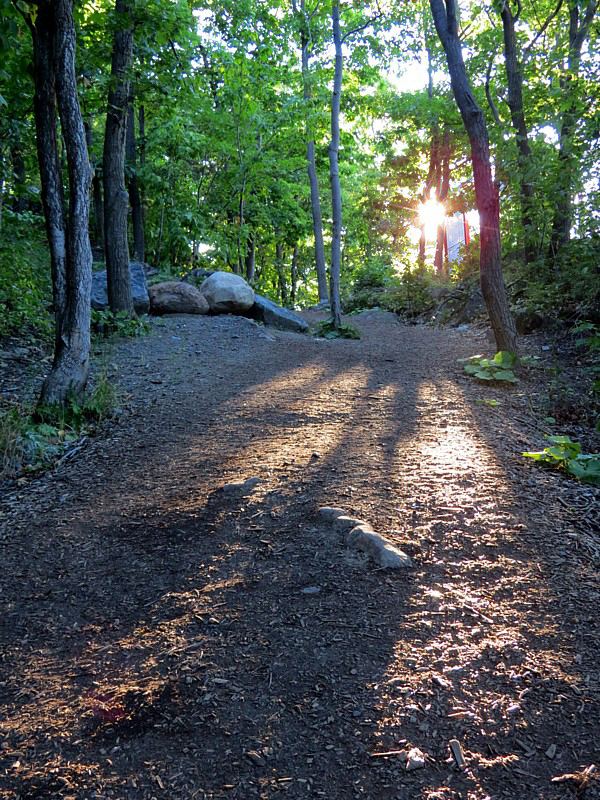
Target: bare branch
column 366, row 25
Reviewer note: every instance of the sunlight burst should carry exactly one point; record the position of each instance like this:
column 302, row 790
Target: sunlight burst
column 431, row 214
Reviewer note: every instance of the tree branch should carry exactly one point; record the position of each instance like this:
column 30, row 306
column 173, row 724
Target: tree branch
column 527, row 49
column 366, row 25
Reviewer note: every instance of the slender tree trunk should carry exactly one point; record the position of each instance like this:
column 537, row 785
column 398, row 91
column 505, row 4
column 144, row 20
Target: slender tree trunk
column 294, row 275
column 514, row 79
column 18, row 168
column 315, row 201
column 334, row 175
column 280, row 267
column 486, row 194
column 115, row 193
column 433, row 177
column 250, row 258
column 96, row 192
column 137, row 219
column 1, row 186
column 443, row 196
column 68, row 237
column 568, row 157
column 162, row 219
column 142, row 143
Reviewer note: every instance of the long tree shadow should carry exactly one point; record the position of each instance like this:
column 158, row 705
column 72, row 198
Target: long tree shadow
column 208, row 643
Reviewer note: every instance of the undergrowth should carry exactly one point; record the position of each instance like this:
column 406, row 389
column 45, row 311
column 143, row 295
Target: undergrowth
column 33, row 439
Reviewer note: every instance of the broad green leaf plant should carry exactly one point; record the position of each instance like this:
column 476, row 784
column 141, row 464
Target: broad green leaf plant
column 566, row 454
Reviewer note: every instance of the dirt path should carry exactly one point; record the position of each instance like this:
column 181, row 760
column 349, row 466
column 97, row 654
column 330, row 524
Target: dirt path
column 163, row 638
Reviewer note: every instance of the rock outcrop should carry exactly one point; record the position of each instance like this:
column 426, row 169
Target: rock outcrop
column 361, row 536
column 139, row 290
column 227, row 293
column 173, row 297
column 269, row 313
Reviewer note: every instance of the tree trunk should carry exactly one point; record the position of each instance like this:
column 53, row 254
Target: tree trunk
column 486, row 194
column 115, row 194
column 294, row 275
column 433, row 177
column 568, row 157
column 334, row 176
column 443, row 196
column 96, row 192
column 315, row 201
column 250, row 258
column 514, row 79
column 18, row 167
column 137, row 219
column 280, row 267
column 70, row 252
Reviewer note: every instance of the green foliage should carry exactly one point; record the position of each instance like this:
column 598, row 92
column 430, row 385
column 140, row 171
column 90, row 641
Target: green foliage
column 25, row 288
column 498, row 368
column 592, row 342
column 566, row 454
column 34, row 439
column 327, row 330
column 106, row 324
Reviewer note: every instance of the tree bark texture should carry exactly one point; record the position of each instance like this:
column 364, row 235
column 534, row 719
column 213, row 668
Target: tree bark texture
column 115, row 193
column 334, row 175
column 135, row 201
column 486, row 194
column 68, row 237
column 514, row 80
column 315, row 201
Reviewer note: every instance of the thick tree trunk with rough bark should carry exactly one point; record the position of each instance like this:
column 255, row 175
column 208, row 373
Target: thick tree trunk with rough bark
column 135, row 201
column 514, row 80
column 334, row 176
column 445, row 15
column 115, row 193
column 315, row 200
column 70, row 252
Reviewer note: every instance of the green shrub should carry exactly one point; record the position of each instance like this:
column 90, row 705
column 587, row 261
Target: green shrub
column 498, row 368
column 25, row 282
column 327, row 330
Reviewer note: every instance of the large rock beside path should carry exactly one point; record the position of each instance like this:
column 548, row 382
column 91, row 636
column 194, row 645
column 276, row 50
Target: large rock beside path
column 139, row 290
column 174, row 297
column 227, row 293
column 270, row 313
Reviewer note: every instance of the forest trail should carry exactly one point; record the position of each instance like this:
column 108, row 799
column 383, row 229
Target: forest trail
column 164, row 638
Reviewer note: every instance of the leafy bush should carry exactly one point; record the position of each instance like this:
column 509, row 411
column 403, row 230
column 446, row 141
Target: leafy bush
column 34, row 439
column 106, row 323
column 25, row 283
column 566, row 454
column 498, row 368
column 327, row 330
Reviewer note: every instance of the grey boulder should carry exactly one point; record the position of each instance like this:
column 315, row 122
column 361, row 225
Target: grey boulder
column 270, row 313
column 227, row 293
column 139, row 290
column 172, row 297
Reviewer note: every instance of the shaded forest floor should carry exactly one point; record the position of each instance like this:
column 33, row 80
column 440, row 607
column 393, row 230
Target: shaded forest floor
column 162, row 637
